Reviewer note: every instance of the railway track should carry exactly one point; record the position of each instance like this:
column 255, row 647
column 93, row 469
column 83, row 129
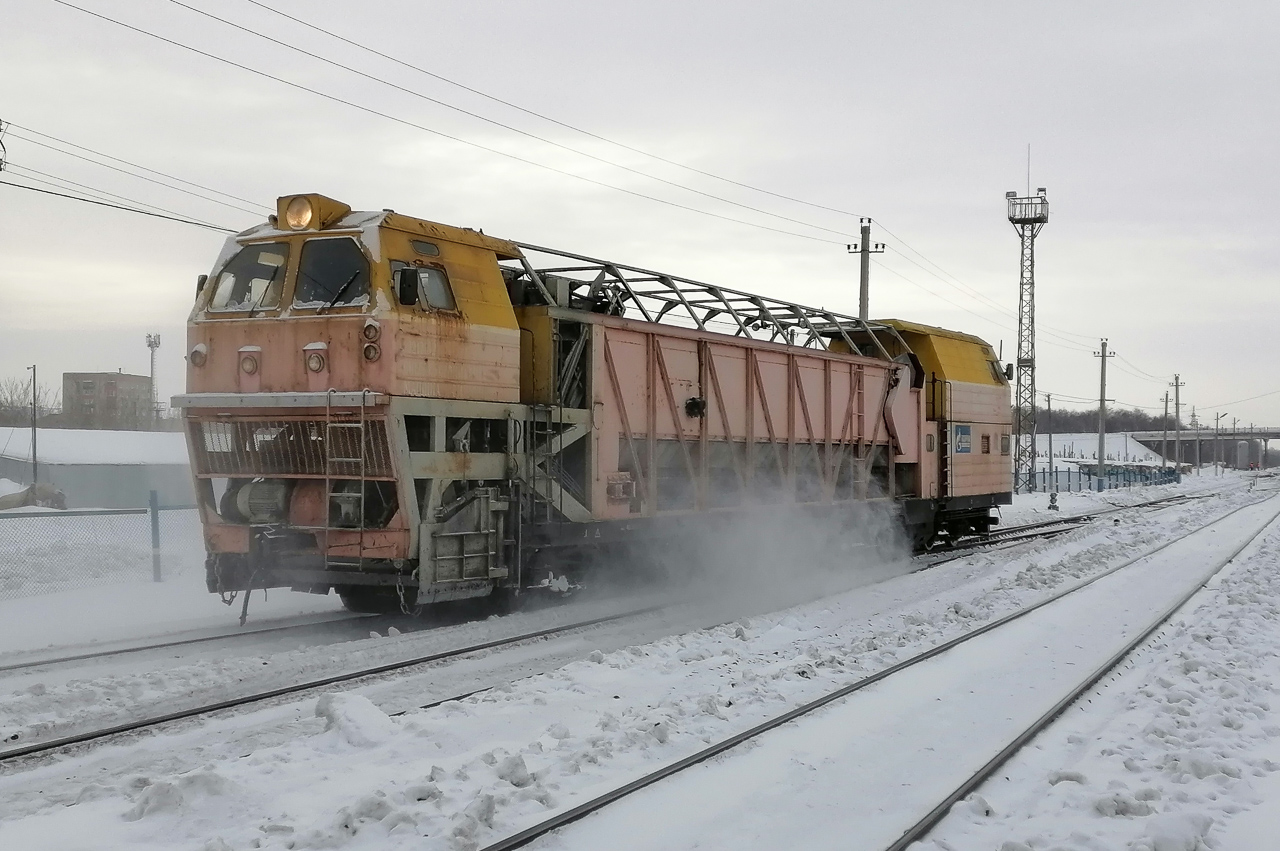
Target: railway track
column 921, row 827
column 1012, row 534
column 1040, row 529
column 1044, row 529
column 43, row 662
column 50, row 746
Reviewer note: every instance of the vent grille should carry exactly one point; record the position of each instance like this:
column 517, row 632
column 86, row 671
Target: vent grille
column 294, row 448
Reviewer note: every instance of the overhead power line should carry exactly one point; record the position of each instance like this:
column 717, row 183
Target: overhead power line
column 174, row 178
column 545, row 117
column 1219, row 406
column 116, row 206
column 954, row 282
column 65, row 183
column 407, row 123
column 382, row 81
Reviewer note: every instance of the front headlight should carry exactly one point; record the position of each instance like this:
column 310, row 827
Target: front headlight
column 298, row 214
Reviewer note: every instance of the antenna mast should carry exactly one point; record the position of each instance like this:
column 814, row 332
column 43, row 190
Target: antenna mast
column 1028, row 214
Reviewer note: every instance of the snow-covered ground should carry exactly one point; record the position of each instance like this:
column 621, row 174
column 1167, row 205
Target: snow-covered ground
column 570, row 716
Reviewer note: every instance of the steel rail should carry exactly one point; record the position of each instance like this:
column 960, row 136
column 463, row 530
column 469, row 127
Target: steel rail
column 1042, row 530
column 921, row 828
column 529, row 834
column 258, row 697
column 160, row 645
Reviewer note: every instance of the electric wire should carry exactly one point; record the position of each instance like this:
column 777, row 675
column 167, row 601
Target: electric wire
column 407, row 123
column 1064, row 344
column 1221, row 405
column 66, row 183
column 130, row 164
column 116, row 206
column 1144, row 372
column 545, row 117
column 957, row 284
column 486, row 148
column 504, row 126
column 954, row 282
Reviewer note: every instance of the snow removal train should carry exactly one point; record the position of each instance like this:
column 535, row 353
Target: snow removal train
column 408, row 412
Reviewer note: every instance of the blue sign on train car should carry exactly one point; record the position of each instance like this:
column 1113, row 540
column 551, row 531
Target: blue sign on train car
column 964, row 439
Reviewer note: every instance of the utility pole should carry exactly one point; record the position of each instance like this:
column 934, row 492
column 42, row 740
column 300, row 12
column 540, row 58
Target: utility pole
column 1048, row 410
column 1235, row 443
column 1164, row 438
column 1195, row 424
column 1217, row 444
column 1027, row 214
column 153, row 343
column 865, row 248
column 35, row 468
column 1102, row 417
column 1177, row 386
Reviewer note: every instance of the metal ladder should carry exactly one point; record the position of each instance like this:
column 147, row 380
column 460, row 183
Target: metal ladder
column 539, row 460
column 331, row 429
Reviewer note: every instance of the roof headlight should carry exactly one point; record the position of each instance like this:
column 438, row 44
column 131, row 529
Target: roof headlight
column 298, row 214
column 249, row 364
column 315, row 362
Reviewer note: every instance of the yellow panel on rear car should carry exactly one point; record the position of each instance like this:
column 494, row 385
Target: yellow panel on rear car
column 950, row 355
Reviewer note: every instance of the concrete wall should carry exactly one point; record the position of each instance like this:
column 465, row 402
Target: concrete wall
column 109, row 485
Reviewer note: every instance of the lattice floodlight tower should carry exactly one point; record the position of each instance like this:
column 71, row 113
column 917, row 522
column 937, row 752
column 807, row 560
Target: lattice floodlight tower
column 1028, row 215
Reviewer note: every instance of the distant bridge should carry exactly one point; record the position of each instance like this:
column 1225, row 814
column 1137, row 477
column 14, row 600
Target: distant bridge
column 1238, row 447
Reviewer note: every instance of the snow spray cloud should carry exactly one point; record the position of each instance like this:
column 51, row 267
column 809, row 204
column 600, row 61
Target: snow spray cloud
column 776, row 555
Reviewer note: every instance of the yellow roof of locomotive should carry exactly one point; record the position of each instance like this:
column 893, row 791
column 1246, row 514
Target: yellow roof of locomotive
column 950, row 355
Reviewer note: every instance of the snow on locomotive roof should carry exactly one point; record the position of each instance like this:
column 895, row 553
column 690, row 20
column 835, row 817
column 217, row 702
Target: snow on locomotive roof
column 95, row 446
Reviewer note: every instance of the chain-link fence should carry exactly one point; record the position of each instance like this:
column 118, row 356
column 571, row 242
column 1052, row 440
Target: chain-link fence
column 43, row 551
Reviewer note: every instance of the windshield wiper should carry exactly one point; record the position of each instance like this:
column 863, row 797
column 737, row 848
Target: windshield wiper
column 254, row 307
column 342, row 289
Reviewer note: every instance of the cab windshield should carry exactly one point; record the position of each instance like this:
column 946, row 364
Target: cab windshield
column 331, row 272
column 252, row 279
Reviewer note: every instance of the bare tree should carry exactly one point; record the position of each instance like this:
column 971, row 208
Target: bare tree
column 15, row 401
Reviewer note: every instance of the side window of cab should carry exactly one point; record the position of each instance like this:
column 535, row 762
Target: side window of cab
column 426, row 286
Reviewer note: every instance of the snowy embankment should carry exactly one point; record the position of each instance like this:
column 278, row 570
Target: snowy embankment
column 474, row 769
column 1178, row 752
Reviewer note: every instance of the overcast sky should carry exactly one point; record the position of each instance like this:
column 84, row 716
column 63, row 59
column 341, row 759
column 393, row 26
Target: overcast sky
column 1153, row 125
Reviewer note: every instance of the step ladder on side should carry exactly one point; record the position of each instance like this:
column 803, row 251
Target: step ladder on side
column 340, row 454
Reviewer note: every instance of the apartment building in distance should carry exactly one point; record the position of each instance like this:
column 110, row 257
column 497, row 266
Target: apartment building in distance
column 110, row 400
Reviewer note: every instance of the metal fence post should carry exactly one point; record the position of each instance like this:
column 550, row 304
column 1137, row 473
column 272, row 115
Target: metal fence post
column 155, row 536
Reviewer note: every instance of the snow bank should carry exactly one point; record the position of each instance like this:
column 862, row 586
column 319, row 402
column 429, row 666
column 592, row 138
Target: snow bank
column 1167, row 753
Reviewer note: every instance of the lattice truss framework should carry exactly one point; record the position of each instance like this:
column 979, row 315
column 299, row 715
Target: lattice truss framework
column 618, row 289
column 1025, row 394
